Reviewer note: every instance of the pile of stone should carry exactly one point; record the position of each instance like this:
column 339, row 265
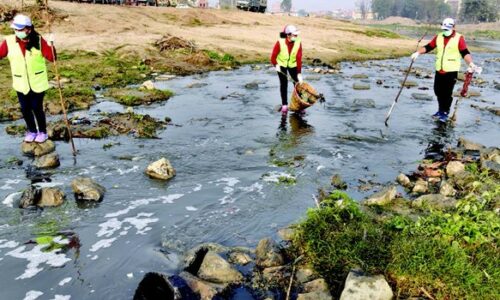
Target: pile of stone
column 44, row 154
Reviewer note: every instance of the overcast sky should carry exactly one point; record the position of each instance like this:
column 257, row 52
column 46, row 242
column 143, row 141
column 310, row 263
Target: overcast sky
column 312, row 5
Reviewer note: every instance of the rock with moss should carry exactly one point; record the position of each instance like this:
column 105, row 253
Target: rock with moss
column 422, row 96
column 87, row 189
column 268, row 254
column 215, row 269
column 135, row 97
column 384, row 197
column 359, row 76
column 490, row 160
column 47, row 161
column 361, row 86
column 434, row 201
column 38, row 149
column 16, row 130
column 51, row 197
column 161, row 169
column 286, row 234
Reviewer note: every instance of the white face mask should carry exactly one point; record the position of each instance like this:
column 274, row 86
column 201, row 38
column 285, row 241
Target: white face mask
column 294, row 38
column 21, row 34
column 447, row 32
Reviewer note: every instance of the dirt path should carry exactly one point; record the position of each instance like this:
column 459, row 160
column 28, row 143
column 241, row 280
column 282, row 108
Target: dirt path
column 247, row 36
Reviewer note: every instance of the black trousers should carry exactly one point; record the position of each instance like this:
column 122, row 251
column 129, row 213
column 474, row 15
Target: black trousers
column 443, row 88
column 32, row 108
column 284, row 82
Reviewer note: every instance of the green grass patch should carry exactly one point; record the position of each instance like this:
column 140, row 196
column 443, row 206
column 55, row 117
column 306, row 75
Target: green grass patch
column 221, row 58
column 451, row 254
column 486, row 34
column 371, row 32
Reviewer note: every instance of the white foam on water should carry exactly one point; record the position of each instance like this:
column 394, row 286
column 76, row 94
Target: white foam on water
column 109, row 227
column 32, row 295
column 171, row 198
column 197, row 188
column 8, row 184
column 37, row 257
column 229, row 181
column 105, row 243
column 94, row 257
column 48, row 184
column 64, row 281
column 319, row 168
column 274, row 177
column 127, row 171
column 8, row 244
column 62, row 297
column 191, row 208
column 141, row 224
column 226, row 199
column 142, row 202
column 254, row 188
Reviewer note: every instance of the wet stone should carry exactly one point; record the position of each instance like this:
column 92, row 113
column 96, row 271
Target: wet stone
column 454, row 167
column 363, row 103
column 38, row 149
column 421, row 187
column 434, row 201
column 469, row 145
column 161, row 169
column 48, row 161
column 30, row 197
column 359, row 76
column 205, row 290
column 87, row 189
column 338, row 183
column 51, row 197
column 215, row 269
column 286, row 234
column 410, row 84
column 268, row 254
column 422, row 96
column 361, row 86
column 239, row 258
column 403, row 180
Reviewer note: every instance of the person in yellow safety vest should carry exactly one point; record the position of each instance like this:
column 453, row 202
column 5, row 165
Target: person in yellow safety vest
column 27, row 52
column 451, row 48
column 287, row 59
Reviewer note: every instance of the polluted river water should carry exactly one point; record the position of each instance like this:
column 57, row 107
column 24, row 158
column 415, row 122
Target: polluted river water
column 243, row 172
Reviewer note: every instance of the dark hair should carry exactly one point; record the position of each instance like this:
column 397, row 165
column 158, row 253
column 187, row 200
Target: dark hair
column 283, row 35
column 33, row 39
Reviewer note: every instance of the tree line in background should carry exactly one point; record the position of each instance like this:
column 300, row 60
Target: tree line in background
column 433, row 10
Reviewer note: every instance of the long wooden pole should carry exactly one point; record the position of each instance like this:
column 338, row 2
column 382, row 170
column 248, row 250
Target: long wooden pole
column 58, row 80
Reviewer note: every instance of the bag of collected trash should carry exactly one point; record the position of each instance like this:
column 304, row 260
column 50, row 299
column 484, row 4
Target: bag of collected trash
column 303, row 96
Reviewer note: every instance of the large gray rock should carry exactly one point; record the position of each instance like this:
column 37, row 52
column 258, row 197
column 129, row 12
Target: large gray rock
column 421, row 187
column 47, row 161
column 206, row 290
column 454, row 167
column 161, row 169
column 434, row 201
column 361, row 287
column 469, row 145
column 87, row 189
column 51, row 197
column 215, row 269
column 383, row 197
column 38, row 149
column 268, row 254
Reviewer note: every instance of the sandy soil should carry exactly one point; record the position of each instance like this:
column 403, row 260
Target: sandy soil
column 248, row 36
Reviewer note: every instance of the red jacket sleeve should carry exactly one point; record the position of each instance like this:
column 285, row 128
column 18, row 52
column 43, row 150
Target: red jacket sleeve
column 47, row 51
column 299, row 60
column 4, row 50
column 274, row 55
column 462, row 45
column 432, row 44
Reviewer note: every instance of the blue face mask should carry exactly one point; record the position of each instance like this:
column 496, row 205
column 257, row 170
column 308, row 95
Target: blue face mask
column 21, row 35
column 447, row 32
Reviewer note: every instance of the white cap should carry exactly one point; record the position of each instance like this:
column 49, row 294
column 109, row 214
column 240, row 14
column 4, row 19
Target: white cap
column 20, row 22
column 448, row 24
column 290, row 29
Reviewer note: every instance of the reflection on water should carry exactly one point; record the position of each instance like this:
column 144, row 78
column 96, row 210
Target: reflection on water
column 440, row 139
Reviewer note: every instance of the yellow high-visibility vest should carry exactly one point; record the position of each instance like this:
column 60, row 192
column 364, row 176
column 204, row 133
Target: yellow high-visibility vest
column 285, row 59
column 448, row 58
column 29, row 71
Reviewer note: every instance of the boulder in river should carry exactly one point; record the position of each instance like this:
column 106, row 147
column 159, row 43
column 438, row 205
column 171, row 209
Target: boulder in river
column 361, row 86
column 422, row 96
column 47, row 161
column 361, row 287
column 215, row 269
column 38, row 149
column 434, row 201
column 359, row 76
column 87, row 189
column 410, row 84
column 268, row 254
column 161, row 169
column 469, row 145
column 239, row 258
column 383, row 197
column 363, row 103
column 30, row 197
column 338, row 182
column 156, row 286
column 51, row 197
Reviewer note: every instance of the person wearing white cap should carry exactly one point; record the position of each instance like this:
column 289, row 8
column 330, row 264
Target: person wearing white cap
column 27, row 51
column 451, row 48
column 287, row 59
